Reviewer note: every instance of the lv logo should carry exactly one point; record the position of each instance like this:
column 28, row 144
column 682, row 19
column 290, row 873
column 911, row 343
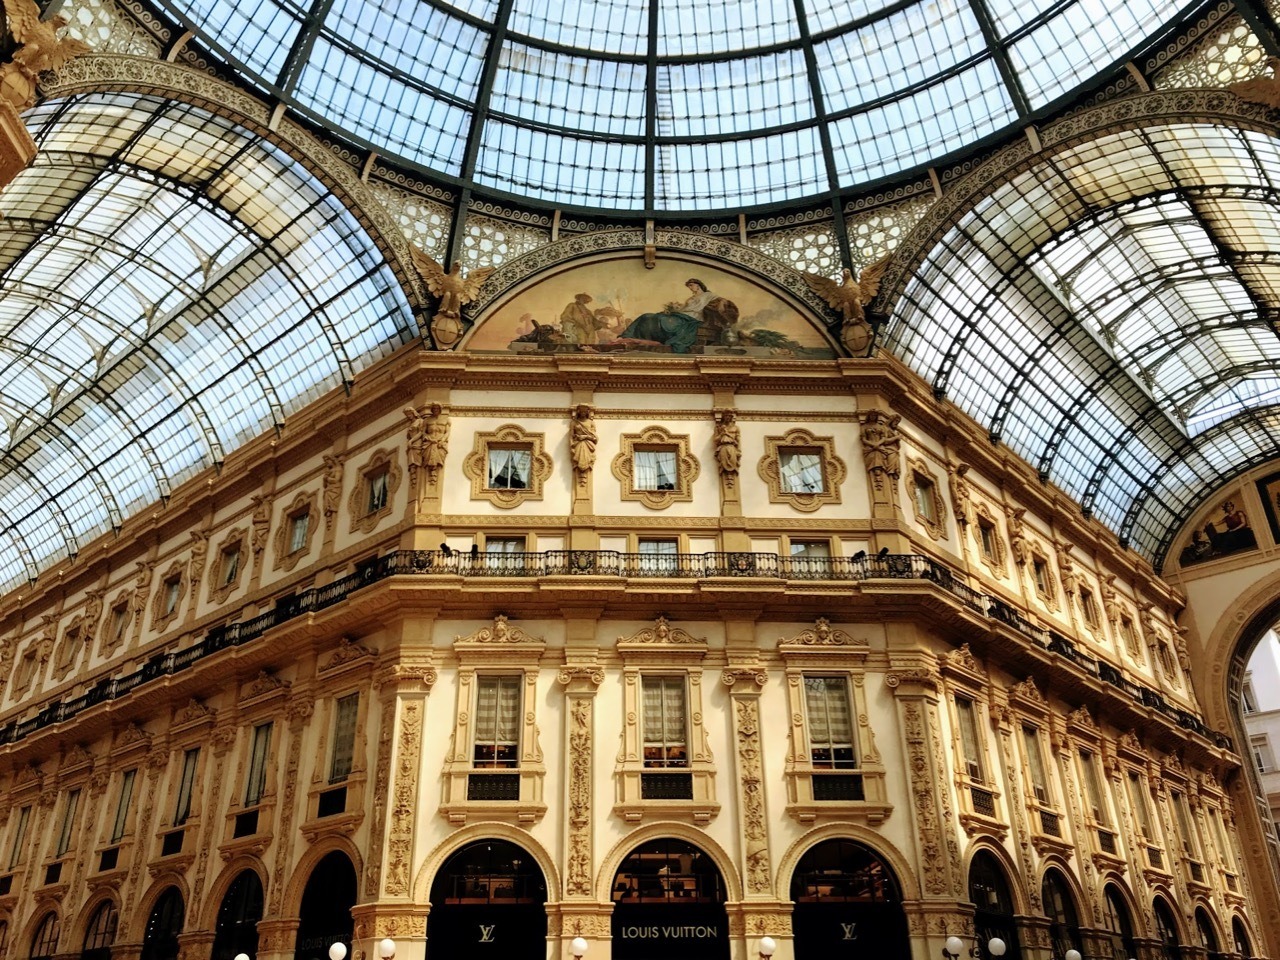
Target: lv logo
column 486, row 932
column 849, row 931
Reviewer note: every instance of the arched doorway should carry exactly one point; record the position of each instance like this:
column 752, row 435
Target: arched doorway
column 491, row 894
column 1166, row 930
column 101, row 933
column 236, row 930
column 324, row 917
column 1064, row 919
column 45, row 942
column 160, row 940
column 1241, row 937
column 847, row 903
column 668, row 900
column 1208, row 933
column 1118, row 924
column 993, row 905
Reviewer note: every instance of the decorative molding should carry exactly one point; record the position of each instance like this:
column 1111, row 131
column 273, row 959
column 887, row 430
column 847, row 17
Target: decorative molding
column 746, row 716
column 962, row 659
column 220, row 586
column 821, row 634
column 508, row 436
column 404, row 800
column 578, row 878
column 502, row 632
column 984, row 516
column 661, row 634
column 364, row 520
column 1027, row 692
column 161, row 617
column 331, row 488
column 262, row 686
column 935, row 526
column 687, row 468
column 348, row 651
column 381, row 784
column 191, row 713
column 305, row 502
column 833, row 470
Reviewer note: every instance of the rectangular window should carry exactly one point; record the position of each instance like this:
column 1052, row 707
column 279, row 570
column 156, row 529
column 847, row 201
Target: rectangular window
column 659, row 556
column 1129, row 637
column 230, row 565
column 925, row 505
column 1089, row 607
column 1040, row 570
column 377, row 487
column 655, row 469
column 119, row 622
column 830, row 723
column 345, row 712
column 665, row 731
column 1035, row 763
column 987, row 536
column 1248, row 699
column 68, row 823
column 509, row 468
column 499, row 545
column 298, row 526
column 257, row 782
column 1093, row 788
column 123, row 805
column 182, row 810
column 1260, row 744
column 497, row 726
column 19, row 837
column 1184, row 823
column 1138, row 800
column 1220, row 834
column 966, row 712
column 172, row 588
column 800, row 471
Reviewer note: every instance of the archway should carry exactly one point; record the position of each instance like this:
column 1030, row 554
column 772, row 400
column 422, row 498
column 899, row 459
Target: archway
column 160, row 940
column 236, row 930
column 668, row 899
column 45, row 942
column 101, row 933
column 993, row 904
column 847, row 901
column 324, row 918
column 1243, row 944
column 1166, row 930
column 489, row 892
column 1208, row 933
column 1118, row 924
column 1064, row 919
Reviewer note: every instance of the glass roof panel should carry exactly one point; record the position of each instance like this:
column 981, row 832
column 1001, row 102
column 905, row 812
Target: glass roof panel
column 579, row 93
column 904, row 84
column 1117, row 314
column 177, row 305
column 721, row 26
column 720, row 174
column 621, row 26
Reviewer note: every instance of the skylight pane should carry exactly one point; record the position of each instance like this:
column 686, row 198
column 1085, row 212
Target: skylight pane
column 716, row 26
column 738, row 96
column 594, row 96
column 257, row 35
column 621, row 26
column 824, row 15
column 558, row 168
column 732, row 173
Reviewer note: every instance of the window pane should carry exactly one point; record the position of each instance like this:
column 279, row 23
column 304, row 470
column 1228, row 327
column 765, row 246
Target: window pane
column 230, row 565
column 122, row 808
column 377, row 491
column 801, row 471
column 497, row 729
column 664, row 722
column 830, row 722
column 1035, row 761
column 966, row 711
column 19, row 837
column 654, row 469
column 344, row 737
column 68, row 822
column 509, row 469
column 183, row 809
column 298, row 532
column 258, row 765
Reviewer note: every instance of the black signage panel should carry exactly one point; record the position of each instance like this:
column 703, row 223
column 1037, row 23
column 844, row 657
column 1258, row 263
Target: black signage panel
column 845, row 929
column 671, row 931
column 488, row 931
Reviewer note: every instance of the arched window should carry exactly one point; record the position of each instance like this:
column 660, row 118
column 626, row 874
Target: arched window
column 1208, row 932
column 1166, row 929
column 1238, row 934
column 101, row 933
column 489, row 899
column 4, row 937
column 847, row 903
column 668, row 871
column 1060, row 908
column 993, row 905
column 1117, row 922
column 160, row 940
column 668, row 901
column 324, row 917
column 45, row 943
column 238, row 916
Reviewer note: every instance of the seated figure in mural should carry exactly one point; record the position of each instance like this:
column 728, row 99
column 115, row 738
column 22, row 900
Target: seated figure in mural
column 680, row 325
column 1229, row 534
column 579, row 323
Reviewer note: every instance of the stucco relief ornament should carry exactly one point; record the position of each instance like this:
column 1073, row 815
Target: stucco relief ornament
column 1018, row 537
column 960, row 501
column 849, row 296
column 1263, row 90
column 582, row 442
column 40, row 49
column 428, row 445
column 331, row 485
column 880, row 442
column 728, row 441
column 455, row 292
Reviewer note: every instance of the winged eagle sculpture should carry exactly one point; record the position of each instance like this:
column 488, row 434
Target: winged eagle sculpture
column 1263, row 90
column 454, row 290
column 39, row 49
column 849, row 296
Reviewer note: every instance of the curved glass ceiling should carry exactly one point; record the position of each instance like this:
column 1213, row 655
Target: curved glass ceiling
column 173, row 286
column 664, row 105
column 1110, row 315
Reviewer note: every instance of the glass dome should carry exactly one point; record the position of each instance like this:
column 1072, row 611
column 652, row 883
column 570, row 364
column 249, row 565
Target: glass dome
column 671, row 105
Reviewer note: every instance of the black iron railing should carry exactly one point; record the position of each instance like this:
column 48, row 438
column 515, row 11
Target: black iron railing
column 607, row 563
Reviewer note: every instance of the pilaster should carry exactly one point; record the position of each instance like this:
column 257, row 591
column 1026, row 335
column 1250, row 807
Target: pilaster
column 580, row 682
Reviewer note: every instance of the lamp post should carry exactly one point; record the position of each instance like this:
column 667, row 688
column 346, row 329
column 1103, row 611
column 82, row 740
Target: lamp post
column 338, row 951
column 951, row 949
column 578, row 947
column 767, row 946
column 387, row 949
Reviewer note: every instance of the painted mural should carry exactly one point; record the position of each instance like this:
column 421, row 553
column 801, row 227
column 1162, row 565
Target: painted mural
column 1224, row 531
column 619, row 307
